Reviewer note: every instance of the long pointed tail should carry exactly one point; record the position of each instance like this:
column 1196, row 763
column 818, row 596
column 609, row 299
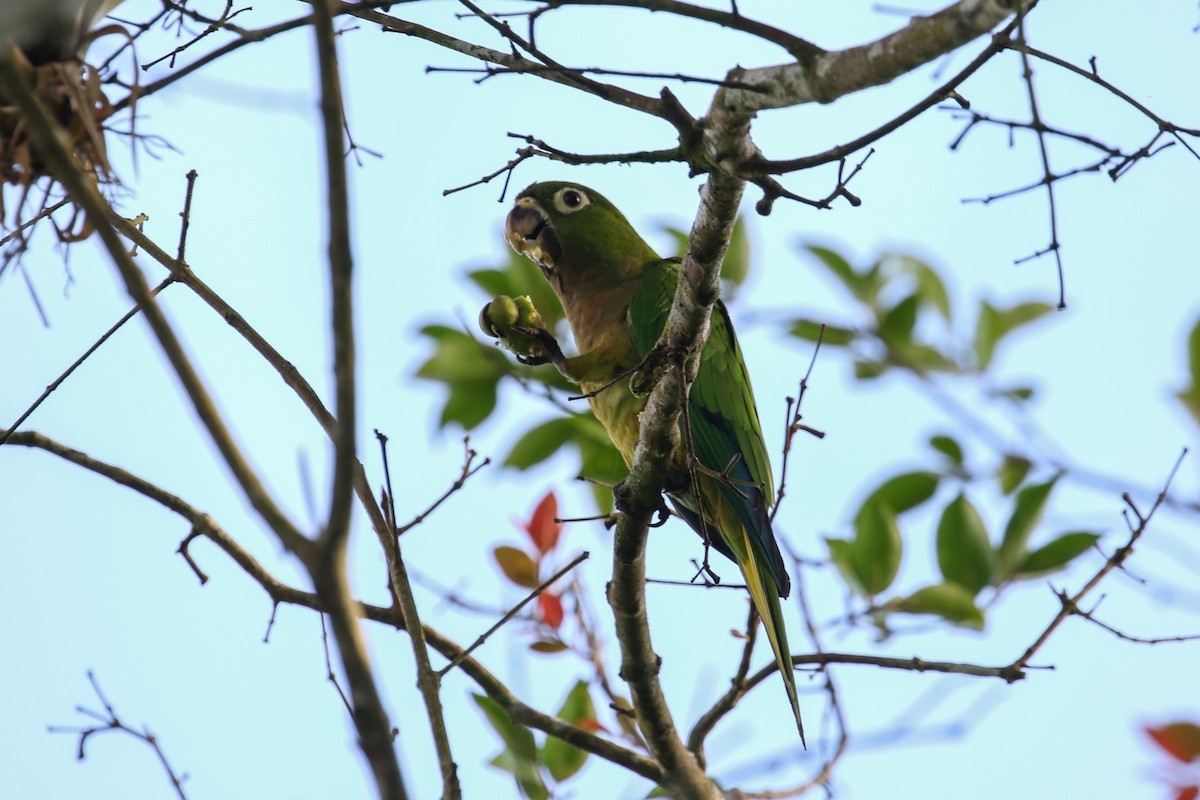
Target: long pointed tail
column 766, row 599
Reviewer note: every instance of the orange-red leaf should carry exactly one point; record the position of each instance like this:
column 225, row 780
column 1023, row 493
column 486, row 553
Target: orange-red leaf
column 1181, row 740
column 517, row 565
column 551, row 608
column 1188, row 793
column 542, row 528
column 592, row 725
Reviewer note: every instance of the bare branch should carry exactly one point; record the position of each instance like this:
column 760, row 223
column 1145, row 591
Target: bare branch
column 110, row 723
column 287, row 371
column 428, row 681
column 328, row 566
column 1070, row 605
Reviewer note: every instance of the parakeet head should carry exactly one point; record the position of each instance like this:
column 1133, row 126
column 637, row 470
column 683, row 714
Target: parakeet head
column 578, row 238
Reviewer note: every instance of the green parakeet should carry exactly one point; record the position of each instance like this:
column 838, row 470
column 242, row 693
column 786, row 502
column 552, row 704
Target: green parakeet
column 617, row 293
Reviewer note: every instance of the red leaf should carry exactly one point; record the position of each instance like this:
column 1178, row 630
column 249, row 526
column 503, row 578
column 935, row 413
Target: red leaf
column 592, row 725
column 542, row 528
column 1181, row 740
column 551, row 608
column 1188, row 793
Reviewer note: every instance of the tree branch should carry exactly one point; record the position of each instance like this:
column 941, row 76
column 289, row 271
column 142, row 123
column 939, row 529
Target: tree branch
column 279, row 592
column 50, row 141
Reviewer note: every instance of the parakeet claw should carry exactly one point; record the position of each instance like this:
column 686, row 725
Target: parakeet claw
column 661, row 513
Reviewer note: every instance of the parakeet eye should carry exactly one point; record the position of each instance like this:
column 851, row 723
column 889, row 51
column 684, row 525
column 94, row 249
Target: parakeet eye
column 569, row 200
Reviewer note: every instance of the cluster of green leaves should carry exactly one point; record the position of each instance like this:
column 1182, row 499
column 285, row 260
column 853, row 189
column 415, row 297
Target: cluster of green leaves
column 907, row 317
column 906, row 325
column 472, row 369
column 967, row 557
column 533, row 766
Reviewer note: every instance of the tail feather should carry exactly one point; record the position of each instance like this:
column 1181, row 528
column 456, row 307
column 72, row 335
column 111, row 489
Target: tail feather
column 765, row 595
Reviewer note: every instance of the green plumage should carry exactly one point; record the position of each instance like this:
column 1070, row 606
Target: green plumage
column 617, row 294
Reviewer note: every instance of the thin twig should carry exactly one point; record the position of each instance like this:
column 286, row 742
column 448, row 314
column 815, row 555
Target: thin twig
column 428, row 681
column 1047, row 173
column 464, row 474
column 512, row 612
column 1070, row 605
column 49, row 390
column 793, row 426
column 110, row 722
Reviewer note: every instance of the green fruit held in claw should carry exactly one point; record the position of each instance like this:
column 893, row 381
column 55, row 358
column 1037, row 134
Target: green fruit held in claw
column 499, row 317
column 527, row 315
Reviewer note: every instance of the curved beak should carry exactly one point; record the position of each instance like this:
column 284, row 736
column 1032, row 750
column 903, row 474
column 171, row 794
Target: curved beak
column 531, row 234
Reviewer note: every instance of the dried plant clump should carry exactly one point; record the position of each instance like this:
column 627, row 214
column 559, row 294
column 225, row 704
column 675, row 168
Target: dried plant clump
column 71, row 91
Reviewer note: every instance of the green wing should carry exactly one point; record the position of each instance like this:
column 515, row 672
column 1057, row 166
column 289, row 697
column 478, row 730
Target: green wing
column 724, row 425
column 721, row 409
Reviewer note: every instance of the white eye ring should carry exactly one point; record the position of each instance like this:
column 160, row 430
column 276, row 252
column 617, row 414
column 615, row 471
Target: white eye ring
column 570, row 200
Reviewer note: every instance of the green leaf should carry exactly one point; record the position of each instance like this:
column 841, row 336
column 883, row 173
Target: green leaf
column 1191, row 401
column 810, row 330
column 877, row 547
column 1012, row 472
column 949, row 601
column 963, row 550
column 599, row 460
column 904, row 491
column 1190, row 397
column 539, row 443
column 921, row 358
column 736, row 265
column 841, row 553
column 519, row 757
column 839, row 268
column 517, row 738
column 1194, row 352
column 517, row 566
column 868, row 370
column 949, row 447
column 1027, row 512
column 470, row 370
column 564, row 760
column 1017, row 394
column 993, row 324
column 1056, row 554
column 526, row 772
column 897, row 324
column 930, row 287
column 460, row 357
column 468, row 404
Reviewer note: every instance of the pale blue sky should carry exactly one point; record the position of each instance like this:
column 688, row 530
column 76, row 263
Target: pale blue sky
column 89, row 578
